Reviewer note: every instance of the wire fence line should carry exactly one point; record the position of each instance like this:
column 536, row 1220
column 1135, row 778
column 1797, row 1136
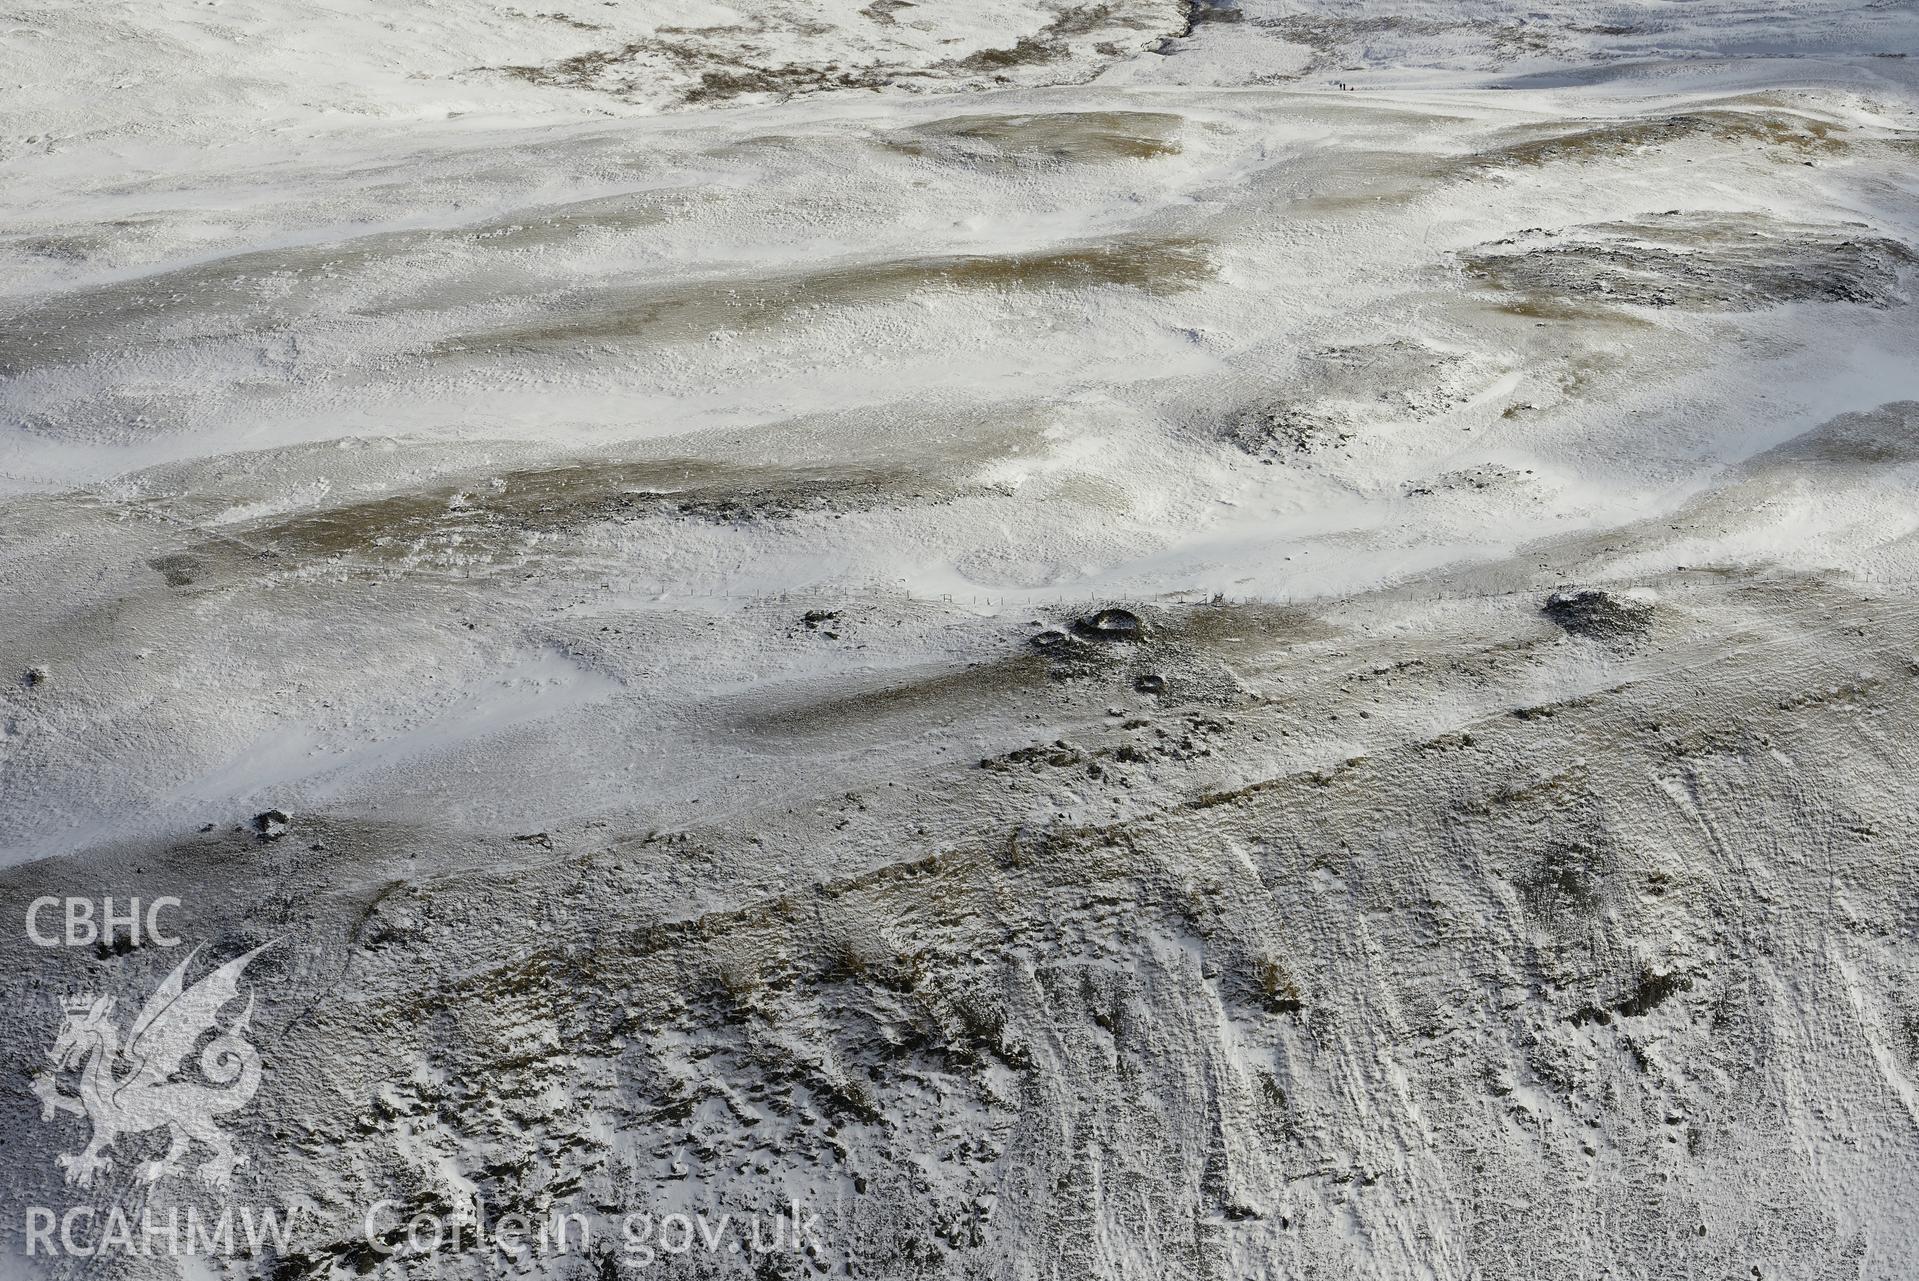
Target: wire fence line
column 829, row 591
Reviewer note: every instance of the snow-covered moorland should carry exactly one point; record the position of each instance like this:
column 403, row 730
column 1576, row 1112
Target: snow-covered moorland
column 1110, row 640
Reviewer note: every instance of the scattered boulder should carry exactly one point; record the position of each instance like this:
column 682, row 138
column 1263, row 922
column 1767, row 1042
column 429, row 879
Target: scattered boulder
column 271, row 825
column 1601, row 615
column 1482, row 477
column 1150, row 683
column 1280, row 428
column 34, row 677
column 1050, row 640
column 819, row 622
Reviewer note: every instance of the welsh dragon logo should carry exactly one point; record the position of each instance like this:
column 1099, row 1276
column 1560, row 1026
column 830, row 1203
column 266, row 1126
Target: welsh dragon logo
column 134, row 1088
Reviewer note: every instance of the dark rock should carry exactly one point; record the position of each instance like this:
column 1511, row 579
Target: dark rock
column 1600, row 615
column 271, row 825
column 1150, row 683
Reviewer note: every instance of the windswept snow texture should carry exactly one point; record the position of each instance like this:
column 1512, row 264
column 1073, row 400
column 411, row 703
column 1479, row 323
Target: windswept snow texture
column 1118, row 640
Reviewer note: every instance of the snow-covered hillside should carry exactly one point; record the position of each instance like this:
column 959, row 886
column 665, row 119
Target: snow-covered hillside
column 636, row 488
